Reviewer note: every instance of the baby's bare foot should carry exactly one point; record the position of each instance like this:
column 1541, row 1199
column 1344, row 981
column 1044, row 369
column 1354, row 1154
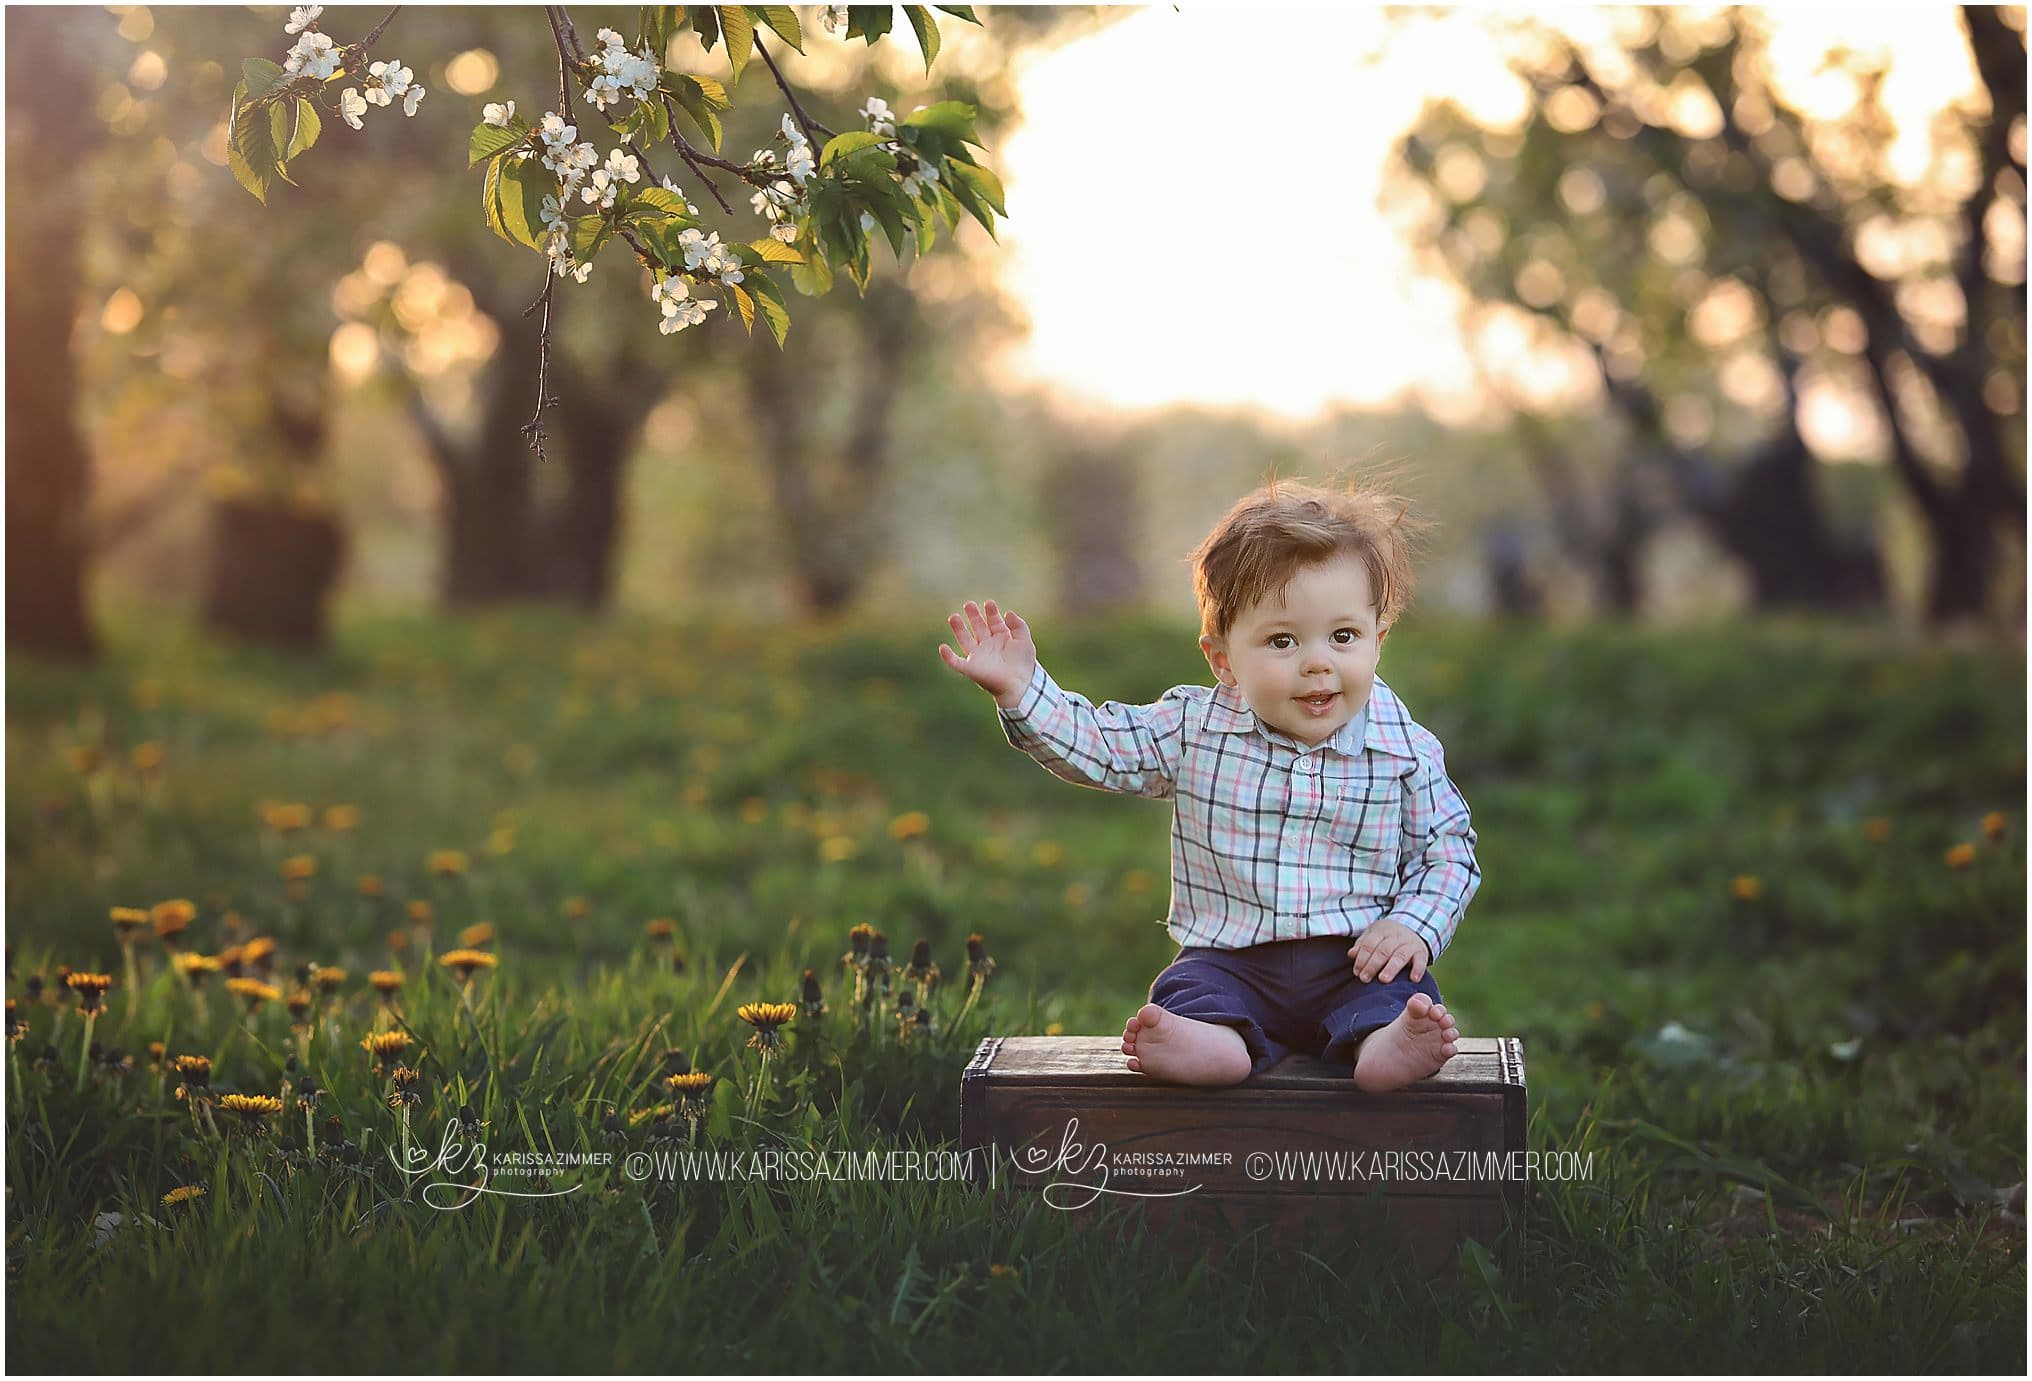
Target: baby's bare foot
column 1165, row 1045
column 1413, row 1047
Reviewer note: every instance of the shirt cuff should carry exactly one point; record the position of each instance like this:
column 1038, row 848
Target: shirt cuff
column 1016, row 722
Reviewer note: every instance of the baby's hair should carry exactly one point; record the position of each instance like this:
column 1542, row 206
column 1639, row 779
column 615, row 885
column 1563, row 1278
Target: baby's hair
column 1287, row 526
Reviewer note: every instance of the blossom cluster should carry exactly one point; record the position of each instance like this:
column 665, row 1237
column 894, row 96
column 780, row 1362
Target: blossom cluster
column 314, row 55
column 778, row 202
column 622, row 75
column 882, row 123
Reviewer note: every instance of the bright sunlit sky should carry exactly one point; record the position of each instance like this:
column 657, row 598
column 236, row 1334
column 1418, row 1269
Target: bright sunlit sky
column 1177, row 164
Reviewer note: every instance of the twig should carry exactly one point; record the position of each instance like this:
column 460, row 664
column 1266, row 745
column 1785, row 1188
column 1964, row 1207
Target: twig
column 803, row 120
column 379, row 29
column 533, row 428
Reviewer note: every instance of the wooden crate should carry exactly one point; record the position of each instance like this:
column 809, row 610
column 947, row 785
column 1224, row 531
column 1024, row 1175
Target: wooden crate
column 1063, row 1115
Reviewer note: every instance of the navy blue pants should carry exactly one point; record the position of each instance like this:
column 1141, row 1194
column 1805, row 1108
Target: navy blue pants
column 1286, row 996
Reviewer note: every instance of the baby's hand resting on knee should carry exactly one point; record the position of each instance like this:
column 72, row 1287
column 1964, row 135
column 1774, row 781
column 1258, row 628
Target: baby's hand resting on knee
column 1387, row 949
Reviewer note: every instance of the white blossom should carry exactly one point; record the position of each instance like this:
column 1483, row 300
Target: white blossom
column 799, row 163
column 786, row 231
column 352, row 105
column 555, row 132
column 313, row 55
column 610, row 39
column 876, row 113
column 410, row 99
column 552, row 213
column 391, row 80
column 625, row 167
column 302, row 17
column 688, row 313
column 867, row 224
column 498, row 114
column 835, row 17
column 600, row 189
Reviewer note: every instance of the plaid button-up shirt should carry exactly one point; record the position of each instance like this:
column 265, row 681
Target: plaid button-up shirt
column 1271, row 839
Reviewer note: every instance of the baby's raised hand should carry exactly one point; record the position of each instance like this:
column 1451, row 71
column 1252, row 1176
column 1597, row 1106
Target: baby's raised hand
column 1387, row 949
column 995, row 653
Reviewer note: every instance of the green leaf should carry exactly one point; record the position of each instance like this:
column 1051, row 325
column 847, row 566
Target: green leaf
column 659, row 22
column 774, row 251
column 491, row 141
column 262, row 76
column 984, row 183
column 869, row 21
column 281, row 132
column 853, row 141
column 726, row 1106
column 589, row 234
column 745, row 303
column 250, row 151
column 954, row 119
column 769, row 302
column 696, row 102
column 521, row 192
column 706, row 20
column 738, row 27
column 308, row 127
column 965, row 12
column 655, row 123
column 490, row 201
column 927, row 31
column 783, row 19
column 714, row 91
column 658, row 199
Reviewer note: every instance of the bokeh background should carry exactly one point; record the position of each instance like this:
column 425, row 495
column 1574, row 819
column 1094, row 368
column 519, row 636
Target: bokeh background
column 1699, row 335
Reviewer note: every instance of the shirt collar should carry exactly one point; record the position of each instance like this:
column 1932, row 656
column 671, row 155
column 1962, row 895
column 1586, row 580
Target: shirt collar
column 1386, row 728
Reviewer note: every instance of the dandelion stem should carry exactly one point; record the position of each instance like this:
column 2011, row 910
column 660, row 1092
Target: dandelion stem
column 85, row 1050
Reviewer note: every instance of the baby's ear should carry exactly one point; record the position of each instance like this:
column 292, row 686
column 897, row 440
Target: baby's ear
column 1382, row 632
column 1216, row 651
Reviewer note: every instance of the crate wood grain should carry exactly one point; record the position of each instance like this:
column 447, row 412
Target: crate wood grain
column 1066, row 1110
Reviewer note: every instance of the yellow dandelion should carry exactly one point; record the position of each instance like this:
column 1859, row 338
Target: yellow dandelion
column 90, row 988
column 328, row 977
column 1994, row 825
column 767, row 1018
column 147, row 756
column 1596, row 1010
column 385, row 1046
column 1961, row 856
column 473, row 936
column 194, row 1070
column 253, row 992
column 1135, row 882
column 501, row 842
column 1048, row 853
column 1054, row 1028
column 464, row 961
column 691, row 1085
column 576, row 908
column 909, row 825
column 342, row 818
column 1747, row 887
column 171, row 919
column 386, row 982
column 83, row 758
column 398, row 940
column 641, row 1115
column 447, row 862
column 298, row 1002
column 369, row 885
column 183, row 1194
column 258, row 952
column 422, row 912
column 254, row 1109
column 196, row 968
column 285, row 819
column 661, row 931
column 754, row 810
column 837, row 848
column 127, row 920
column 299, row 868
column 1877, row 829
column 1001, row 1272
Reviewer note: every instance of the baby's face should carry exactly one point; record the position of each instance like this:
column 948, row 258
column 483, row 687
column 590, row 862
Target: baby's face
column 1306, row 660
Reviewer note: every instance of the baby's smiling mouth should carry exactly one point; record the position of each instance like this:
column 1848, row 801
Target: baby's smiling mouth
column 1318, row 702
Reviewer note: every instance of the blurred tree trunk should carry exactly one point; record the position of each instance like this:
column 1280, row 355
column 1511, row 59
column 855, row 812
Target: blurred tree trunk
column 601, row 414
column 828, row 511
column 1094, row 512
column 274, row 562
column 1765, row 512
column 50, row 127
column 490, row 553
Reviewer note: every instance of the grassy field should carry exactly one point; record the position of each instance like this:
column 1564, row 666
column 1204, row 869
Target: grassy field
column 1746, row 902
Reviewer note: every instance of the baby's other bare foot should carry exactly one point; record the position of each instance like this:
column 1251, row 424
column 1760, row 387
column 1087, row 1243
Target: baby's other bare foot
column 1165, row 1045
column 1413, row 1047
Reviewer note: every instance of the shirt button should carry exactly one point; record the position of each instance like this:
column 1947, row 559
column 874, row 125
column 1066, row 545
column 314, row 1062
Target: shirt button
column 1308, row 765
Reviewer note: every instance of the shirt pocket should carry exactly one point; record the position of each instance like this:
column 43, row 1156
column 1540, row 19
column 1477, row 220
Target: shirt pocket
column 1367, row 821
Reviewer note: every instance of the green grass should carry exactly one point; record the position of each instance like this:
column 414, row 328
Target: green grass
column 1806, row 1106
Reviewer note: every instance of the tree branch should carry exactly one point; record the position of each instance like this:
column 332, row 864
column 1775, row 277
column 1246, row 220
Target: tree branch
column 804, row 121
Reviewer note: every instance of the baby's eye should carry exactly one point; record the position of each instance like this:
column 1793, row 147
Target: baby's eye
column 1346, row 635
column 1280, row 641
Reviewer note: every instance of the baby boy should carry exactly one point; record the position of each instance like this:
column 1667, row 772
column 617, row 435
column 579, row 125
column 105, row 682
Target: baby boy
column 1320, row 857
